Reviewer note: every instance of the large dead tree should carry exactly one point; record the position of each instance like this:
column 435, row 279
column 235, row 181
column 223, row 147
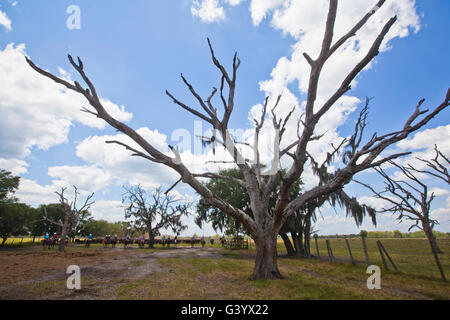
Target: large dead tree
column 72, row 214
column 151, row 214
column 265, row 225
column 411, row 199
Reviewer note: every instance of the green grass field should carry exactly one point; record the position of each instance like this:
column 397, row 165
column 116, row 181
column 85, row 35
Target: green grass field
column 229, row 278
column 412, row 256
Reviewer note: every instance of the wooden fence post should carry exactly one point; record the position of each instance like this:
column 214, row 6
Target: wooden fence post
column 317, row 246
column 382, row 255
column 389, row 257
column 349, row 250
column 330, row 252
column 363, row 238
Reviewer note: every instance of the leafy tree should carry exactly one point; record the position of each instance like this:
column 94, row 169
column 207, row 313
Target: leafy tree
column 102, row 228
column 237, row 196
column 42, row 226
column 297, row 225
column 398, row 234
column 8, row 185
column 14, row 218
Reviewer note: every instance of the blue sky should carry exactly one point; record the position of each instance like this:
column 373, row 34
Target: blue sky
column 133, row 53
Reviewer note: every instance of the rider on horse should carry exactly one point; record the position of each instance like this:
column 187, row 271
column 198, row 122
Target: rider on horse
column 88, row 241
column 115, row 240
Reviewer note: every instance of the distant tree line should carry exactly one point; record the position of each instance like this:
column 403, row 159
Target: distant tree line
column 388, row 234
column 20, row 219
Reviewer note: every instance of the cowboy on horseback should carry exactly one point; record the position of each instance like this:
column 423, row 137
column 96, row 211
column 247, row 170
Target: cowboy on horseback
column 141, row 242
column 88, row 241
column 46, row 241
column 107, row 240
column 127, row 241
column 114, row 242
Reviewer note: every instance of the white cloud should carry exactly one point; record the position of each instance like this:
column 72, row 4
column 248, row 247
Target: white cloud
column 439, row 192
column 233, row 2
column 5, row 21
column 208, row 10
column 305, row 21
column 111, row 211
column 331, row 224
column 260, row 9
column 35, row 194
column 121, row 166
column 86, row 178
column 422, row 143
column 376, row 203
column 17, row 167
column 442, row 215
column 35, row 110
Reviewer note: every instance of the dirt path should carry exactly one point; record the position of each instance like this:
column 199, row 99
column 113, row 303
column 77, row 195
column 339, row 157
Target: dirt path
column 35, row 274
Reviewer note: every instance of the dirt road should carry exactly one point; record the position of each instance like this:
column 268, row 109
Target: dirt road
column 34, row 273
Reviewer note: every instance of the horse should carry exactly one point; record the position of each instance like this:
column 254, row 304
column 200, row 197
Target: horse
column 50, row 243
column 127, row 242
column 88, row 243
column 114, row 242
column 106, row 242
column 141, row 243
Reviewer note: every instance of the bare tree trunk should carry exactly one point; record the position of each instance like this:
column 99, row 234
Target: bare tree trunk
column 430, row 236
column 62, row 242
column 307, row 237
column 434, row 247
column 288, row 244
column 266, row 258
column 298, row 243
column 151, row 238
column 65, row 229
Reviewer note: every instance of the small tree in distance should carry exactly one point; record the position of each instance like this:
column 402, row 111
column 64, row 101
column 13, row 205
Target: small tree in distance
column 72, row 214
column 153, row 213
column 361, row 153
